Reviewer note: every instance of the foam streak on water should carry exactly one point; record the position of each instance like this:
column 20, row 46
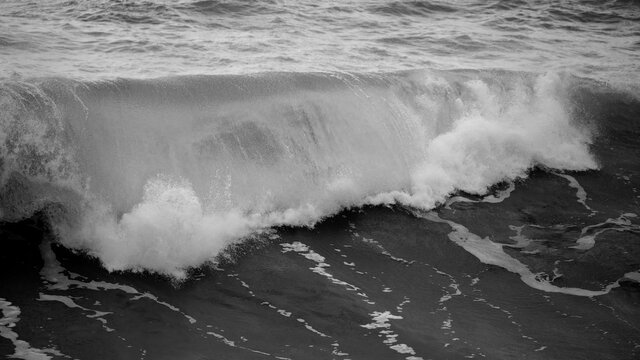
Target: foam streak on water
column 589, row 233
column 380, row 319
column 10, row 316
column 59, row 280
column 581, row 194
column 492, row 253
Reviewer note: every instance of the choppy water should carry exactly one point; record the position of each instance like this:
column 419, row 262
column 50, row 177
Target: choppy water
column 363, row 179
column 105, row 39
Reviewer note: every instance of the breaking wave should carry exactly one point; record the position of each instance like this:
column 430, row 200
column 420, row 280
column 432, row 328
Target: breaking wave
column 162, row 175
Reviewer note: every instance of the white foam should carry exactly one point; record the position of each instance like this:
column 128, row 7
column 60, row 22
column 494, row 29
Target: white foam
column 295, row 246
column 401, row 306
column 489, row 252
column 498, row 197
column 587, row 242
column 381, row 322
column 383, row 251
column 380, row 319
column 168, row 232
column 319, row 269
column 621, row 223
column 53, row 274
column 501, row 195
column 98, row 315
column 450, row 295
column 521, row 240
column 456, row 199
column 581, row 194
column 56, row 279
column 403, row 349
column 493, row 143
column 336, row 346
column 635, row 276
column 22, row 349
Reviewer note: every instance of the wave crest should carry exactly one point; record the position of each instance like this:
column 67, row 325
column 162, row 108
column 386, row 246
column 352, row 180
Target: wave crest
column 162, row 175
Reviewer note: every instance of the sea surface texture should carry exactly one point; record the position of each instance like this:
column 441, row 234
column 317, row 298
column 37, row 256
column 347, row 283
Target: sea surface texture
column 319, row 179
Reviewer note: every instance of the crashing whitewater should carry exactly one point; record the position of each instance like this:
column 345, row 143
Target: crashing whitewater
column 162, row 175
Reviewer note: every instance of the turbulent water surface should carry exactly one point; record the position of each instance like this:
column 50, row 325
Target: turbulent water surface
column 317, row 180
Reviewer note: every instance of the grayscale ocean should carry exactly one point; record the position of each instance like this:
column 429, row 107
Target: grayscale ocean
column 358, row 179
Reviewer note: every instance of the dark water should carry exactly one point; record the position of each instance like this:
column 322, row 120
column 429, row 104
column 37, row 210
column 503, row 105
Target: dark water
column 362, row 180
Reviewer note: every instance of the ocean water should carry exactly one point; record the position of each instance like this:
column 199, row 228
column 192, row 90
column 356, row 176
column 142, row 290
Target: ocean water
column 319, row 180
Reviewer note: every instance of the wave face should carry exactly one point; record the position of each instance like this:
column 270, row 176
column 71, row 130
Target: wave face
column 162, row 175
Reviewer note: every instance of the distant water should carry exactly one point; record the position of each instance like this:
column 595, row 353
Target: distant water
column 302, row 180
column 133, row 39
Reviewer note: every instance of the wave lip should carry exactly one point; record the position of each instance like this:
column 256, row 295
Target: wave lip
column 163, row 174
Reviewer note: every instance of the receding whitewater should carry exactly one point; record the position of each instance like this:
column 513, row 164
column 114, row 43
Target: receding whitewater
column 353, row 180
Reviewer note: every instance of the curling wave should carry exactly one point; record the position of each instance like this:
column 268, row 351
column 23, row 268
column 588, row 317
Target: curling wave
column 162, row 175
